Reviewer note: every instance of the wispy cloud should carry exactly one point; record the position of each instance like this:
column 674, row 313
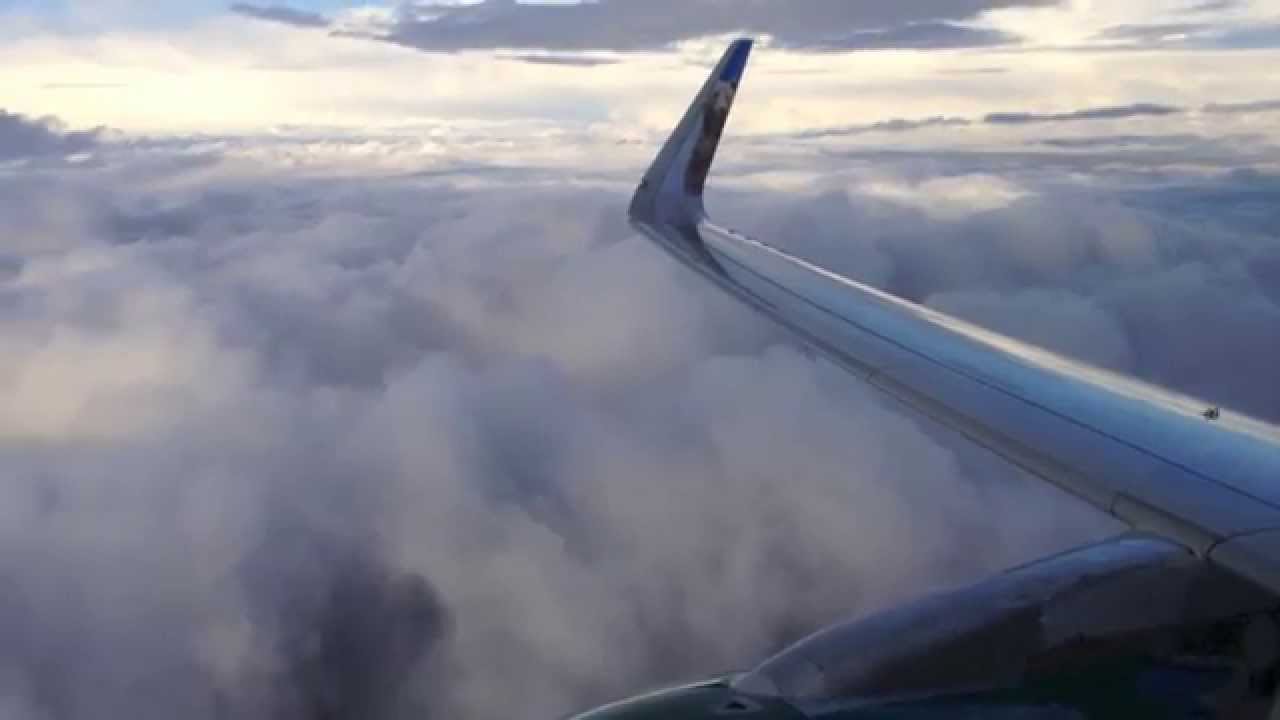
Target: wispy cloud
column 991, row 70
column 282, row 14
column 1243, row 107
column 1118, row 112
column 895, row 125
column 83, row 86
column 1098, row 113
column 1155, row 32
column 564, row 60
column 916, row 35
column 1189, row 36
column 1213, row 6
column 1176, row 140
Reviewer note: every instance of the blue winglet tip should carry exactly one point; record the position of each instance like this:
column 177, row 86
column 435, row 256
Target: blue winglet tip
column 739, row 52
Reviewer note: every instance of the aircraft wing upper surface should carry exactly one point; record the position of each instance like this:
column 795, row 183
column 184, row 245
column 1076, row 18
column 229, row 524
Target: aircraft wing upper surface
column 1162, row 462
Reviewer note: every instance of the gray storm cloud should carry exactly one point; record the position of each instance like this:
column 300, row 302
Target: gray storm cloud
column 288, row 446
column 281, row 14
column 814, row 25
column 25, row 137
column 625, row 25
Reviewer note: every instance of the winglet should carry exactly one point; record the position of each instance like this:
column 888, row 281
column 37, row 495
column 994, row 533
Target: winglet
column 671, row 191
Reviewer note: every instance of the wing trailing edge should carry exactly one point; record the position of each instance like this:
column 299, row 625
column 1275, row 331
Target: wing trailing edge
column 1157, row 460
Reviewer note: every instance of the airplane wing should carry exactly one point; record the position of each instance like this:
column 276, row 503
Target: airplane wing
column 1164, row 463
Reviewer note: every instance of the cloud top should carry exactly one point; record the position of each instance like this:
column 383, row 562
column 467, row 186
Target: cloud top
column 24, row 137
column 286, row 442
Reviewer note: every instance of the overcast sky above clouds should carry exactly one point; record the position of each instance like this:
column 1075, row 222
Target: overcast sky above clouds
column 333, row 384
column 201, row 67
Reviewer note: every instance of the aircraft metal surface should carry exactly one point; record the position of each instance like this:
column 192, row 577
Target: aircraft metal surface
column 1110, row 630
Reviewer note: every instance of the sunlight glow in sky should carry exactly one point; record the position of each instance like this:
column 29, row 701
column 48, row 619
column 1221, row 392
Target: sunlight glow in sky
column 204, row 68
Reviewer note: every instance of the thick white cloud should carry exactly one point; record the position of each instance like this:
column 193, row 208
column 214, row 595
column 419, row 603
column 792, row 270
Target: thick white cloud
column 282, row 416
column 347, row 388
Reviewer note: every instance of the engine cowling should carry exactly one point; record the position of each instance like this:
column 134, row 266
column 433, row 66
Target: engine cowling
column 1132, row 627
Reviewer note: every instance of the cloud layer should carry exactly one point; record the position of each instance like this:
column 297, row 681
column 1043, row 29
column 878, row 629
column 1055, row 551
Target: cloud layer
column 622, row 25
column 298, row 444
column 368, row 404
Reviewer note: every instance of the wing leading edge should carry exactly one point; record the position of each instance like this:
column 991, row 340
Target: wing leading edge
column 1159, row 461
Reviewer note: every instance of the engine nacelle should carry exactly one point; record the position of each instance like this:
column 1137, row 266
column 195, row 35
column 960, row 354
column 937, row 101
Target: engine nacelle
column 1136, row 626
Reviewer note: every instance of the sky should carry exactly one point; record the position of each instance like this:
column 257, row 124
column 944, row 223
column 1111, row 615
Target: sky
column 334, row 385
